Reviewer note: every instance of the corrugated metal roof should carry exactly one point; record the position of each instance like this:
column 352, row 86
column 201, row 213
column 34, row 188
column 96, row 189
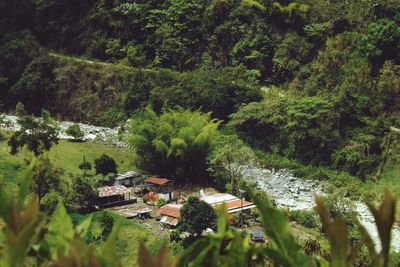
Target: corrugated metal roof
column 126, row 175
column 169, row 220
column 157, row 181
column 171, row 210
column 234, row 204
column 107, row 191
column 218, row 198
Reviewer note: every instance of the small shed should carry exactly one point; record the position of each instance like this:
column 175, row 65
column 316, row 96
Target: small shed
column 161, row 186
column 130, row 178
column 158, row 184
column 115, row 195
column 170, row 214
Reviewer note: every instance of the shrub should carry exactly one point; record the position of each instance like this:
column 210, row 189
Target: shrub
column 50, row 201
column 107, row 222
column 304, row 217
column 161, row 202
column 75, row 131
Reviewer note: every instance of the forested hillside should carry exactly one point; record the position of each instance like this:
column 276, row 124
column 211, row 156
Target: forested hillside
column 322, row 77
column 242, row 97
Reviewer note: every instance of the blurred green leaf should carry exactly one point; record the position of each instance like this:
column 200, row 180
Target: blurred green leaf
column 384, row 217
column 284, row 251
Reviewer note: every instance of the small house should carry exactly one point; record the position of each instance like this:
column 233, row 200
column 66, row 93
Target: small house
column 115, row 195
column 130, row 178
column 232, row 203
column 170, row 214
column 162, row 187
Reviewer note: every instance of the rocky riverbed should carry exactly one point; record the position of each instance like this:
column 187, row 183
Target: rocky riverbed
column 294, row 193
column 102, row 134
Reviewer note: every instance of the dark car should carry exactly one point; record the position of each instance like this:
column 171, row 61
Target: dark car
column 257, row 236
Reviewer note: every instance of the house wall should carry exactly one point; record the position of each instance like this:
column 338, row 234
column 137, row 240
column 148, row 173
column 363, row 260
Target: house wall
column 166, row 196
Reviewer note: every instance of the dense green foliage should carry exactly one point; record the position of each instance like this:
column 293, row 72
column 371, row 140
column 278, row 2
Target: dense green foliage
column 75, row 131
column 28, row 238
column 174, row 144
column 105, row 165
column 46, row 177
column 38, row 135
column 227, row 160
column 315, row 130
column 196, row 217
column 310, row 85
column 335, row 66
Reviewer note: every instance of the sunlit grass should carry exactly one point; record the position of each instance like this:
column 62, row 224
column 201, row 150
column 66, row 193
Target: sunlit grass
column 10, row 165
column 67, row 156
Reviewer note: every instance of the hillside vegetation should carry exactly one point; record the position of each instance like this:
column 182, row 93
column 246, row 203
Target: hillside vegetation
column 201, row 90
column 330, row 70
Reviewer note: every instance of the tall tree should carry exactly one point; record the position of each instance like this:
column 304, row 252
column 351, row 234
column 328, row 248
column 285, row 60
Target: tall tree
column 37, row 134
column 105, row 165
column 230, row 156
column 75, row 131
column 84, row 193
column 196, row 216
column 46, row 177
column 175, row 143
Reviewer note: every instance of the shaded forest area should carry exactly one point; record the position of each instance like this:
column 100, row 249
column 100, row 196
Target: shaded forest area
column 329, row 70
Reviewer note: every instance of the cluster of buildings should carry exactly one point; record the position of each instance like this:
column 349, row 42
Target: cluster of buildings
column 171, row 212
column 118, row 194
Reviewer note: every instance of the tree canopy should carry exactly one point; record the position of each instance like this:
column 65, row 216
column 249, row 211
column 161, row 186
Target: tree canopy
column 173, row 144
column 196, row 217
column 37, row 134
column 104, row 165
column 75, row 131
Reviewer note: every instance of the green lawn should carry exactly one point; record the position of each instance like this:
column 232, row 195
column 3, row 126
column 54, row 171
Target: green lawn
column 390, row 179
column 67, row 156
column 10, row 165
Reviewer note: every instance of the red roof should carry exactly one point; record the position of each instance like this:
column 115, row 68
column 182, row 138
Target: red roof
column 170, row 210
column 107, row 191
column 234, row 204
column 157, row 181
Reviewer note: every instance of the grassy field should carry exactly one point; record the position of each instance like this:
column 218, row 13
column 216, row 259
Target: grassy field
column 390, row 179
column 67, row 156
column 10, row 165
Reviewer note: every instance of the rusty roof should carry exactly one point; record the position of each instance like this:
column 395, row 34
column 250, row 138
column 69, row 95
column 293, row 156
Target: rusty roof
column 151, row 196
column 107, row 191
column 170, row 210
column 234, row 204
column 169, row 220
column 157, row 181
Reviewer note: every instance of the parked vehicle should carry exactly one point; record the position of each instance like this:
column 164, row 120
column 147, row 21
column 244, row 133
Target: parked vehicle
column 257, row 236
